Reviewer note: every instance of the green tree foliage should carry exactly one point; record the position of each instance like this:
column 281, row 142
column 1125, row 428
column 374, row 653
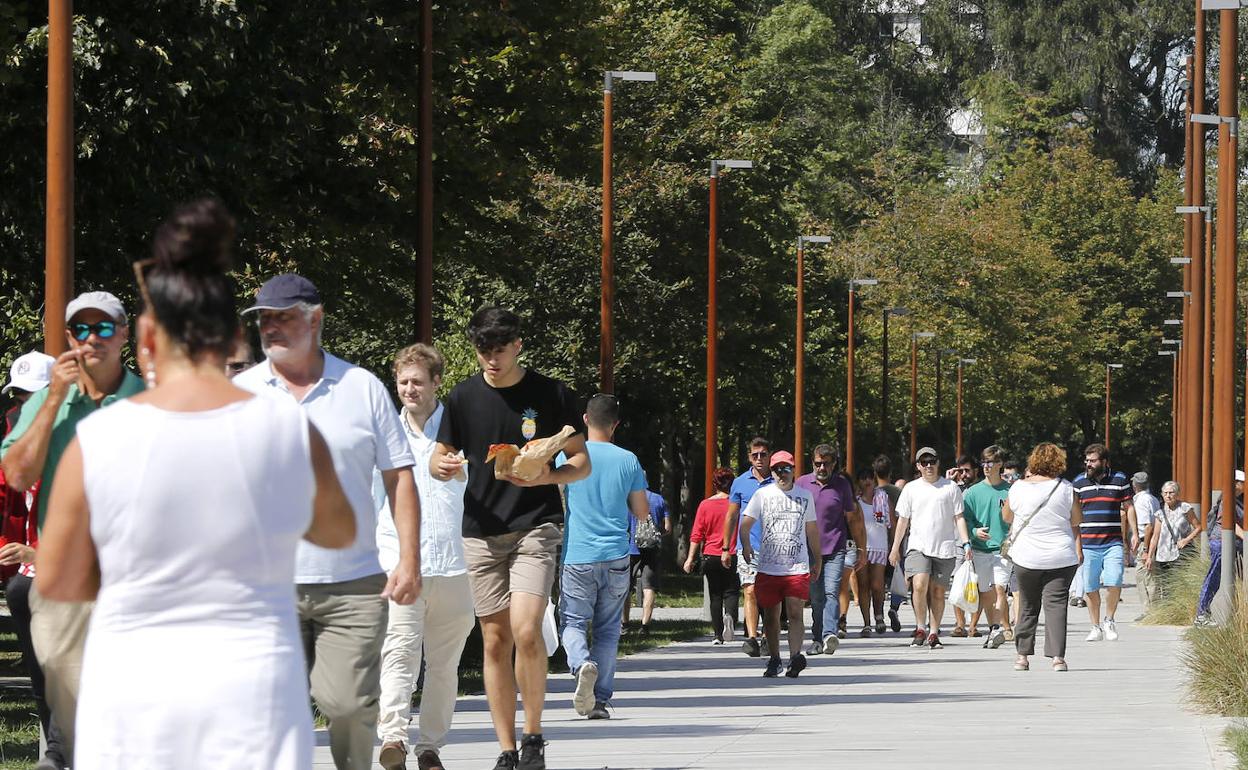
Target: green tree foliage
column 304, row 120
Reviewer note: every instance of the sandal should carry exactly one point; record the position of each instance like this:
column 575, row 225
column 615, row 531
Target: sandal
column 959, row 632
column 1009, row 634
column 975, row 632
column 1021, row 665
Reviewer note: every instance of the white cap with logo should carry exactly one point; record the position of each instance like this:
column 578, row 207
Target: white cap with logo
column 30, row 372
column 96, row 300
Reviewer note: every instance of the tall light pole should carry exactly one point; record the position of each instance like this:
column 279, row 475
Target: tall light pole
column 799, row 370
column 59, row 223
column 914, row 393
column 606, row 348
column 961, row 363
column 1108, row 367
column 849, row 376
column 1174, row 408
column 712, row 321
column 888, row 311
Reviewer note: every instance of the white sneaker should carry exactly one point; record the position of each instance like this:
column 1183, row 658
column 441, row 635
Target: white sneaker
column 586, row 678
column 1096, row 635
column 1111, row 630
column 729, row 629
column 830, row 643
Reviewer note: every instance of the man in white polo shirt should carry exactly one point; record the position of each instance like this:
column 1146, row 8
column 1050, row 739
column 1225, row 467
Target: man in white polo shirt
column 341, row 593
column 930, row 510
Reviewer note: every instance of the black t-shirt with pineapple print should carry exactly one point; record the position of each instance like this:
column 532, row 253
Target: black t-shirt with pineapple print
column 478, row 416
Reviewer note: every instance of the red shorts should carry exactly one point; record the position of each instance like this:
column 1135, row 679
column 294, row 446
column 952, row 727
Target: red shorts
column 770, row 590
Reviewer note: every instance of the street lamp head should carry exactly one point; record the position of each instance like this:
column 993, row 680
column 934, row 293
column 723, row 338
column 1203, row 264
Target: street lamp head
column 923, row 335
column 1114, row 366
column 898, row 310
column 1180, row 260
column 648, row 77
column 948, row 352
column 814, row 238
column 968, row 360
column 1166, row 353
column 716, row 165
column 1177, row 294
column 1171, row 342
column 863, row 282
column 1172, row 322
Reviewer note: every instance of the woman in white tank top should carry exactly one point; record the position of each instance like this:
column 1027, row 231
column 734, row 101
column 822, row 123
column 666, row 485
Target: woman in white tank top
column 178, row 511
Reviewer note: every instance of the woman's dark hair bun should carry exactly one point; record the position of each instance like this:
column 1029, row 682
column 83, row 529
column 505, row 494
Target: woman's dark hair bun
column 197, row 238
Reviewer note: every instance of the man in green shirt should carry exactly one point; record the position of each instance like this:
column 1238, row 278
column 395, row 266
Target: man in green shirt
column 86, row 377
column 981, row 507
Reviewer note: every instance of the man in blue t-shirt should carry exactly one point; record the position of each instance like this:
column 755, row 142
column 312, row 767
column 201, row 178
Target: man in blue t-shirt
column 595, row 576
column 739, row 495
column 1105, row 496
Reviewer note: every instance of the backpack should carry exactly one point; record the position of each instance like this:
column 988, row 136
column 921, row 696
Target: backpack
column 647, row 535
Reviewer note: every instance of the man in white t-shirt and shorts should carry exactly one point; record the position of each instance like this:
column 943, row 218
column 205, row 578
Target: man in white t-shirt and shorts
column 930, row 510
column 785, row 558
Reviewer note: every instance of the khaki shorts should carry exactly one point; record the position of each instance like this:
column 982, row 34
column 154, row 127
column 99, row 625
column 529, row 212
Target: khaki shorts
column 940, row 570
column 500, row 565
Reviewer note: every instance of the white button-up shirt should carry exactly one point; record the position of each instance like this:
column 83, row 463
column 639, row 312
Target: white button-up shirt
column 441, row 508
column 355, row 414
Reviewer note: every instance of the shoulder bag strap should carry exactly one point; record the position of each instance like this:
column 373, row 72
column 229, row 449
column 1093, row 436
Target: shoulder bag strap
column 1023, row 523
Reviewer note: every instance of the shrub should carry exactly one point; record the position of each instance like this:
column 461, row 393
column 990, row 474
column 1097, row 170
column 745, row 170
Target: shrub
column 1217, row 659
column 1180, row 590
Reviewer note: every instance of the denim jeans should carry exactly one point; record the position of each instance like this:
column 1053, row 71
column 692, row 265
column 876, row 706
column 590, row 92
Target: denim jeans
column 825, row 593
column 594, row 593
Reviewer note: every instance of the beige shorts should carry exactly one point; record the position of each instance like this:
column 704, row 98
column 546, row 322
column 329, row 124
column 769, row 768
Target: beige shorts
column 499, row 565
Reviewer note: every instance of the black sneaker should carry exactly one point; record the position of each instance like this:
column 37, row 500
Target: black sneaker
column 796, row 664
column 879, row 626
column 773, row 668
column 764, row 647
column 841, row 630
column 532, row 753
column 751, row 647
column 644, row 630
column 507, row 760
column 599, row 711
column 894, row 622
column 933, row 641
column 919, row 639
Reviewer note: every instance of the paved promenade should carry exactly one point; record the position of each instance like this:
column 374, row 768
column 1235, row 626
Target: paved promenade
column 878, row 704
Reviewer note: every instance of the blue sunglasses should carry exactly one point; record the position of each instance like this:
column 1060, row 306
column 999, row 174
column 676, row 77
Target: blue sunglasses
column 101, row 329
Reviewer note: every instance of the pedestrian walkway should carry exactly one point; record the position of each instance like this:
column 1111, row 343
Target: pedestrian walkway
column 877, row 703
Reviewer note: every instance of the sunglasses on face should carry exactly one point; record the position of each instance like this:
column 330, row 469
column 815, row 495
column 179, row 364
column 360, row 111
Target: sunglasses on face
column 987, row 463
column 757, row 455
column 926, row 461
column 783, row 469
column 822, row 463
column 101, row 329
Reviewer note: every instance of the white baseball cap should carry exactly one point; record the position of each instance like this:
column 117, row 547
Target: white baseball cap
column 30, row 372
column 96, row 300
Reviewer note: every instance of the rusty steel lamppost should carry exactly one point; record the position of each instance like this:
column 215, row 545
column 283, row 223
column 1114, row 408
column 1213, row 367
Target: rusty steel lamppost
column 799, row 370
column 606, row 348
column 712, row 321
column 961, row 363
column 59, row 224
column 940, row 401
column 1174, row 406
column 849, row 375
column 1108, row 367
column 914, row 393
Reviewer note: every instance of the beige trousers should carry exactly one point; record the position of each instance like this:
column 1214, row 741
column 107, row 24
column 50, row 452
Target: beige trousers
column 58, row 631
column 343, row 625
column 437, row 624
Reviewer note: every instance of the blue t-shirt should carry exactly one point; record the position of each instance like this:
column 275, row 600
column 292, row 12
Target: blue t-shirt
column 742, row 490
column 658, row 513
column 598, row 520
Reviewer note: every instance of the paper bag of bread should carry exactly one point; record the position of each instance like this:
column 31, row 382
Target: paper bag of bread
column 527, row 463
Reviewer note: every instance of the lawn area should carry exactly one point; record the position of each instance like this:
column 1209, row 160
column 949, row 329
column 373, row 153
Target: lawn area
column 19, row 725
column 680, row 590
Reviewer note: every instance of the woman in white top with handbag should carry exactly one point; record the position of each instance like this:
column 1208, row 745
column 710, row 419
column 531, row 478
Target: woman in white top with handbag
column 181, row 508
column 1043, row 513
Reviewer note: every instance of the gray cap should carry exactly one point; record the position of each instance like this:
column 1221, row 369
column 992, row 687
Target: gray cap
column 1140, row 477
column 927, row 450
column 96, row 300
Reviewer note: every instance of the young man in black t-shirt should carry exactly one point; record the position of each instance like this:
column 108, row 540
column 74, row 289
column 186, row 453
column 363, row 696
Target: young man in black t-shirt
column 511, row 532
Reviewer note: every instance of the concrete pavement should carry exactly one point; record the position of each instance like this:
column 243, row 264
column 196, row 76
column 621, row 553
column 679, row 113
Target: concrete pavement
column 877, row 703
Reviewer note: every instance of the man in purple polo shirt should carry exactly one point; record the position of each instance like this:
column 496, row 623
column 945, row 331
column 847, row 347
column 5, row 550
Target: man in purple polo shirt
column 836, row 515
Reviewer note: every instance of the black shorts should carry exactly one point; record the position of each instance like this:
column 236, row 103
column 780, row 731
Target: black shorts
column 645, row 569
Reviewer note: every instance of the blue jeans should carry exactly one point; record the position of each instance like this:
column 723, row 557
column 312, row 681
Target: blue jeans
column 825, row 596
column 594, row 593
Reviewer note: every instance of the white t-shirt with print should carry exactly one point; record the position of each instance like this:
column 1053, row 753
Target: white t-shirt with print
column 781, row 517
column 931, row 508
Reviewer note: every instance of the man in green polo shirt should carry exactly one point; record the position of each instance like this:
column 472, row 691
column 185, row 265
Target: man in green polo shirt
column 86, row 377
column 981, row 507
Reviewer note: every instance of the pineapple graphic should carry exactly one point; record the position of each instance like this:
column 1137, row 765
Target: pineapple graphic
column 528, row 426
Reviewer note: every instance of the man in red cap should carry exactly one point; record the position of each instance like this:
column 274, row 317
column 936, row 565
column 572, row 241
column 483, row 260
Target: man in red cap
column 785, row 558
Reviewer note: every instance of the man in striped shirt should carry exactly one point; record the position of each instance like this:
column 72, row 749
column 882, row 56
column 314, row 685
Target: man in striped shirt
column 1105, row 496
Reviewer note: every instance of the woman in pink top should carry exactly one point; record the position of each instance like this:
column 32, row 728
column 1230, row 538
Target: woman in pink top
column 721, row 581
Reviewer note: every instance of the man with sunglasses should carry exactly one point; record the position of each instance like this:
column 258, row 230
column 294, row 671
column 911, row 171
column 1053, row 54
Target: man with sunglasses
column 759, row 475
column 86, row 377
column 836, row 512
column 930, row 511
column 787, row 560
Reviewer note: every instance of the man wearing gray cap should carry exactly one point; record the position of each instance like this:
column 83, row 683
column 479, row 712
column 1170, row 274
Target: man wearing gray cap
column 84, row 378
column 1140, row 521
column 341, row 593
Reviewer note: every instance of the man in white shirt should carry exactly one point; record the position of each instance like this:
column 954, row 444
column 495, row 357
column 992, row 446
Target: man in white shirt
column 341, row 593
column 930, row 510
column 439, row 621
column 1145, row 505
column 787, row 558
